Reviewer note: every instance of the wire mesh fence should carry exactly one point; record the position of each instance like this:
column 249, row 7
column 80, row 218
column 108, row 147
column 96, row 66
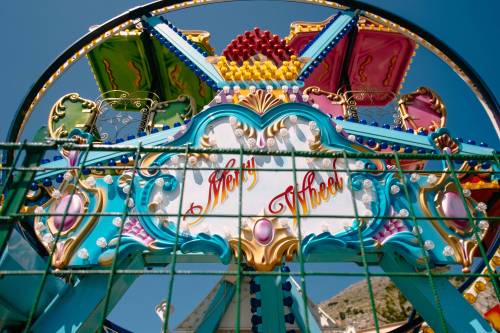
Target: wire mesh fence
column 20, row 177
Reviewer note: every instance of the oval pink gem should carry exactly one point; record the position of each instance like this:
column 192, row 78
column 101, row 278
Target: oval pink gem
column 75, row 207
column 454, row 207
column 263, row 231
column 73, row 157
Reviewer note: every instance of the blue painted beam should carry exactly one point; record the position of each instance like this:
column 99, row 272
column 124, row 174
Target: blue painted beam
column 301, row 310
column 17, row 292
column 263, row 84
column 154, row 139
column 403, row 138
column 80, row 308
column 186, row 51
column 357, row 129
column 217, row 307
column 338, row 27
column 458, row 315
column 271, row 297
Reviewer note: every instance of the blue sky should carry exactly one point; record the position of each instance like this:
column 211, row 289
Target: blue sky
column 36, row 32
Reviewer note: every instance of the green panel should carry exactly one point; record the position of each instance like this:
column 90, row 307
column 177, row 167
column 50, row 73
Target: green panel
column 120, row 63
column 69, row 112
column 175, row 111
column 177, row 79
column 132, row 62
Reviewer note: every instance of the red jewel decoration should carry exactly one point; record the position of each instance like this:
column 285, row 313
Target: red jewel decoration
column 253, row 42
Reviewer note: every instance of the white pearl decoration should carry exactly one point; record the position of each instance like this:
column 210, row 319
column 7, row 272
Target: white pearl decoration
column 482, row 206
column 431, row 179
column 429, row 245
column 101, row 242
column 359, row 165
column 117, row 221
column 367, row 183
column 90, row 181
column 417, row 230
column 126, row 189
column 130, row 203
column 414, row 177
column 395, row 189
column 403, row 212
column 83, row 253
column 483, row 224
column 108, row 179
column 192, row 160
column 251, row 142
column 448, row 251
column 270, row 142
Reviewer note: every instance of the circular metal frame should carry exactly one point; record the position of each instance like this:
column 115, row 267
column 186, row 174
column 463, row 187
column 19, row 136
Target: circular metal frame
column 120, row 22
column 83, row 45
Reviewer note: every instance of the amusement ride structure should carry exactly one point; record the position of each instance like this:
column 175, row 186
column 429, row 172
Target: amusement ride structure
column 274, row 153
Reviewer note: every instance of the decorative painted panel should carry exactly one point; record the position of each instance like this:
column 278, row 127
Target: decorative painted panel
column 200, row 194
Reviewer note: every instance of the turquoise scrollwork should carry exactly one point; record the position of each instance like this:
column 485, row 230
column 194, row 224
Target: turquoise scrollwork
column 148, row 227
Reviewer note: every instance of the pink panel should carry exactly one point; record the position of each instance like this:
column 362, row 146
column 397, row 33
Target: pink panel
column 379, row 61
column 327, row 75
column 326, row 105
column 424, row 110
